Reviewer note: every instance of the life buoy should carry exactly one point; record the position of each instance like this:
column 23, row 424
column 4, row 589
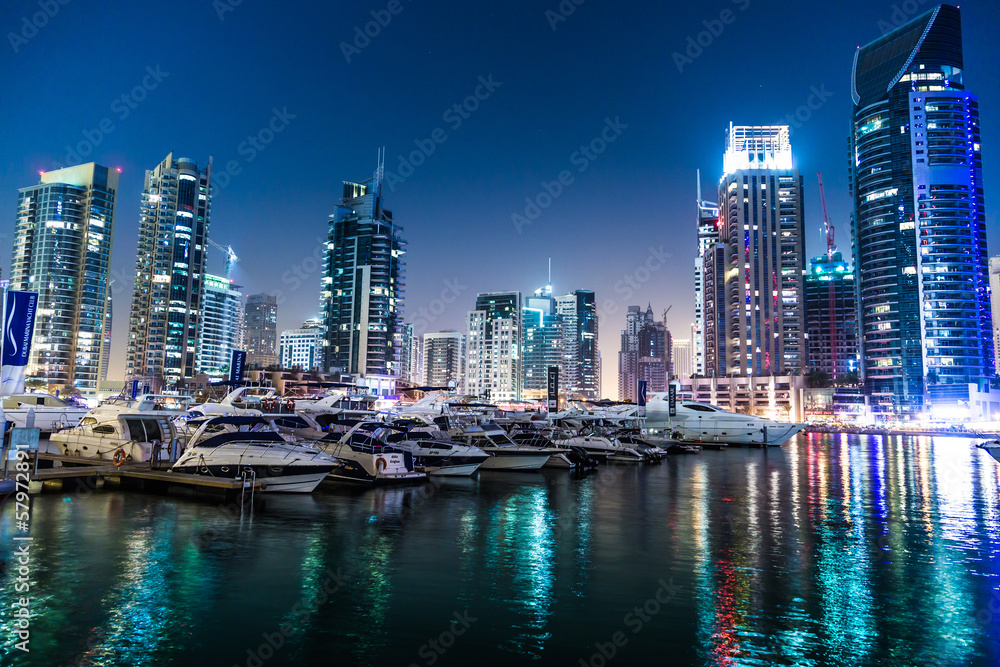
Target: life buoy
column 290, row 404
column 379, row 465
column 268, row 404
column 119, row 458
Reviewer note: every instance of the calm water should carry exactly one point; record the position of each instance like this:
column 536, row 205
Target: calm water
column 833, row 550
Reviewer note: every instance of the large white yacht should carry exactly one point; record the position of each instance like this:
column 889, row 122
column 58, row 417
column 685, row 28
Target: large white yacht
column 505, row 454
column 234, row 446
column 701, row 422
column 992, row 448
column 364, row 456
column 51, row 412
column 131, row 426
column 433, row 452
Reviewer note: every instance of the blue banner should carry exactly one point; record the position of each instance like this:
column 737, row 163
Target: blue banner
column 640, row 397
column 18, row 327
column 237, row 367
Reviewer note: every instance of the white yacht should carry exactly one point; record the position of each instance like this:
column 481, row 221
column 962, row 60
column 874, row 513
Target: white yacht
column 364, row 457
column 600, row 447
column 433, row 452
column 992, row 448
column 125, row 430
column 51, row 412
column 505, row 454
column 701, row 422
column 235, row 446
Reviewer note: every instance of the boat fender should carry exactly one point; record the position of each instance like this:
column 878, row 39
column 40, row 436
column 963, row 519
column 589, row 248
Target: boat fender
column 119, row 458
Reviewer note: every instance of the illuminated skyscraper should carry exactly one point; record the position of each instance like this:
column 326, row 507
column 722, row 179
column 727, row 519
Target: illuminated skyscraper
column 493, row 347
column 261, row 330
column 582, row 361
column 165, row 316
column 919, row 223
column 995, row 303
column 62, row 251
column 754, row 295
column 831, row 317
column 444, row 359
column 222, row 327
column 361, row 298
column 708, row 236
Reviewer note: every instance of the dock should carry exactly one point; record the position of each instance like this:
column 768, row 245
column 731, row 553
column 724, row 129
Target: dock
column 88, row 474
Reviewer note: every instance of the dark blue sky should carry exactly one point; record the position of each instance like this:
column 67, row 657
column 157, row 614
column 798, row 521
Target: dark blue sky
column 221, row 81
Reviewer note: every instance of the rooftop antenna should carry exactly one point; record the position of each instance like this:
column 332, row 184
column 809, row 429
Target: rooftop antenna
column 379, row 169
column 550, row 272
column 699, row 189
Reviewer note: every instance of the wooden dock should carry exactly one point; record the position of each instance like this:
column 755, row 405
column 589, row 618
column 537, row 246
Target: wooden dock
column 69, row 472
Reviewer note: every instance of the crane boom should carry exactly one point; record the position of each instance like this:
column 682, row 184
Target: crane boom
column 231, row 257
column 830, row 247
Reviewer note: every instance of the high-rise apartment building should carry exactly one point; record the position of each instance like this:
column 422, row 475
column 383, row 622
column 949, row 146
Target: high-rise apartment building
column 753, row 277
column 221, row 327
column 410, row 367
column 164, row 319
column 301, row 348
column 708, row 236
column 106, row 341
column 544, row 343
column 683, row 359
column 919, row 223
column 444, row 360
column 493, row 347
column 995, row 306
column 831, row 317
column 261, row 330
column 361, row 298
column 581, row 370
column 644, row 354
column 62, row 251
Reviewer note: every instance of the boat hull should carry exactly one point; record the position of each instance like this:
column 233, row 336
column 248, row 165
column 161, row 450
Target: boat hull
column 294, row 479
column 773, row 434
column 516, row 461
column 459, row 470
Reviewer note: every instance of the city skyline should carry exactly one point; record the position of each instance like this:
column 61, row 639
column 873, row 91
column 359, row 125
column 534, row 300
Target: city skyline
column 274, row 183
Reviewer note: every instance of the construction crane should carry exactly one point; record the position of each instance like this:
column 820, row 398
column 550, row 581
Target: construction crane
column 231, row 257
column 831, row 248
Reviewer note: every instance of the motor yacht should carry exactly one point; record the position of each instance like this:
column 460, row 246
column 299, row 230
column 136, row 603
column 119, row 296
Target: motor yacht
column 249, row 447
column 51, row 412
column 137, row 428
column 364, row 456
column 433, row 452
column 701, row 422
column 992, row 448
column 505, row 454
column 601, row 447
column 575, row 458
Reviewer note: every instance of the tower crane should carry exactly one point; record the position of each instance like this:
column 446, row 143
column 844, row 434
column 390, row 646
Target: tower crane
column 231, row 257
column 832, row 302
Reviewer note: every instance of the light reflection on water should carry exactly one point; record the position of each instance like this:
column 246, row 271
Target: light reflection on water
column 833, row 550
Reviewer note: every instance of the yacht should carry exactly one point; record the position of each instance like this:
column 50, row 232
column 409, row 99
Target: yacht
column 574, row 458
column 51, row 412
column 364, row 457
column 600, row 447
column 992, row 448
column 505, row 454
column 433, row 452
column 125, row 430
column 245, row 445
column 701, row 422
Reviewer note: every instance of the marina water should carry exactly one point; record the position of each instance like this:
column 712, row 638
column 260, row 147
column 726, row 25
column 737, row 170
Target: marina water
column 831, row 550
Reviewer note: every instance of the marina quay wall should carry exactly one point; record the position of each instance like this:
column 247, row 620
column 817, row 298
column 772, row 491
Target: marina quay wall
column 777, row 396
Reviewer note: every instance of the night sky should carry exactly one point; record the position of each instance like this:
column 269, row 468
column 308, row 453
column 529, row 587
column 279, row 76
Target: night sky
column 225, row 71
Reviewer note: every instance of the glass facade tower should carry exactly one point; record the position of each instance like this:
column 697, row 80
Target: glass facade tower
column 919, row 224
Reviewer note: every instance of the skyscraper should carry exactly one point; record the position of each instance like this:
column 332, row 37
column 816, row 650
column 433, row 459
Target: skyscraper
column 261, row 330
column 222, row 327
column 682, row 357
column 831, row 317
column 644, row 353
column 106, row 341
column 410, row 368
column 361, row 298
column 493, row 347
column 444, row 359
column 301, row 348
column 754, row 294
column 582, row 361
column 708, row 236
column 995, row 303
column 544, row 343
column 919, row 223
column 62, row 251
column 164, row 319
